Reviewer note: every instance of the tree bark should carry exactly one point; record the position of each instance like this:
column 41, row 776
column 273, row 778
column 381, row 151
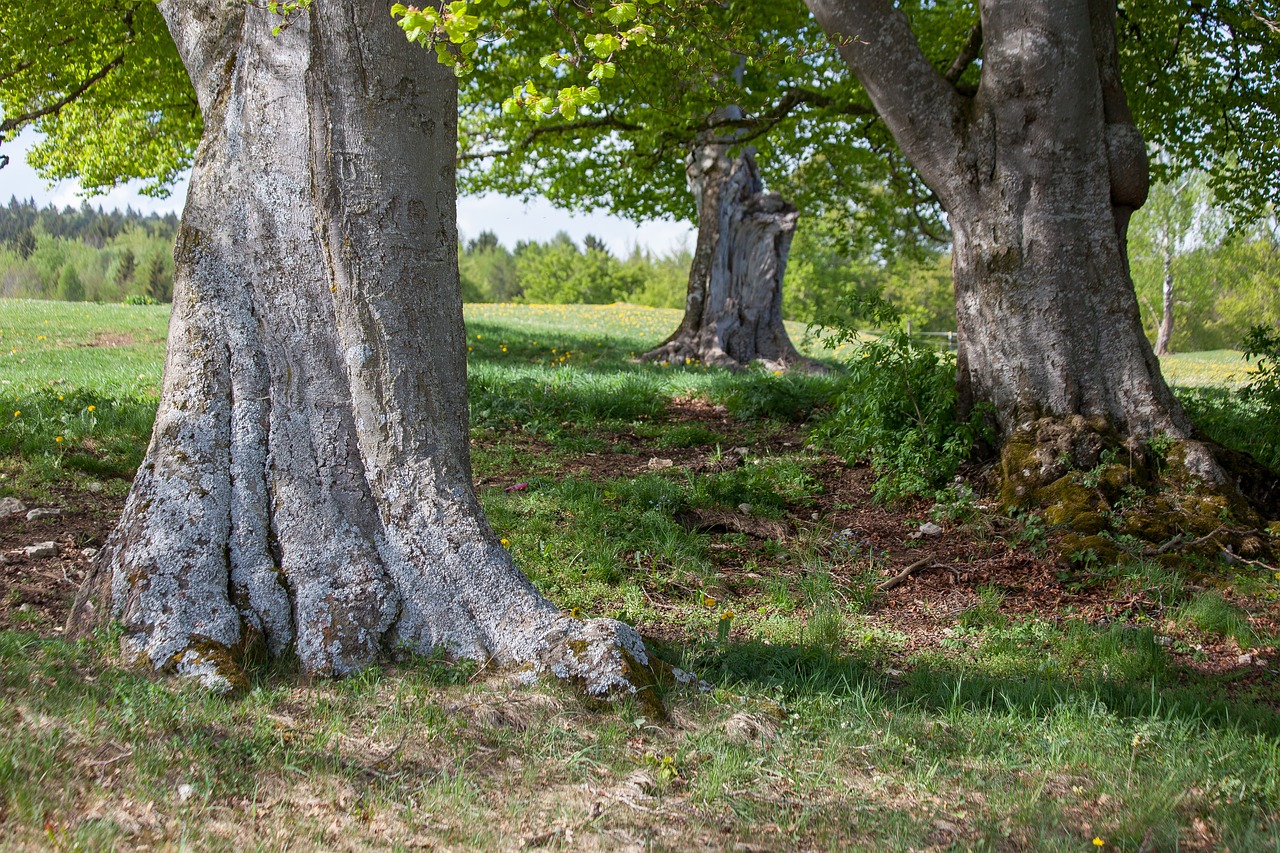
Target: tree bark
column 1165, row 334
column 1039, row 172
column 733, row 309
column 307, row 490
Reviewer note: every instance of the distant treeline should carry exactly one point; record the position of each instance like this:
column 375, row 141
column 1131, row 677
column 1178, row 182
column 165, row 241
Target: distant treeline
column 85, row 253
column 560, row 271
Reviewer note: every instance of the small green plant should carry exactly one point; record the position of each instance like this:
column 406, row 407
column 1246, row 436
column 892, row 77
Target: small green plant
column 1263, row 344
column 140, row 299
column 1211, row 613
column 899, row 409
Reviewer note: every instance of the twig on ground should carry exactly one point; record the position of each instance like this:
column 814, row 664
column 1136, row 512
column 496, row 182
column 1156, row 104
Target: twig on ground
column 901, row 577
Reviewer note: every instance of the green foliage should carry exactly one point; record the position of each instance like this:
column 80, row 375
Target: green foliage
column 558, row 272
column 1263, row 344
column 1200, row 79
column 70, row 287
column 830, row 274
column 898, row 411
column 106, row 87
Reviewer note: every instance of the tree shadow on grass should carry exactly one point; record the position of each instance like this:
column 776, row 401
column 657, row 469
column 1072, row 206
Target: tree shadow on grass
column 1164, row 690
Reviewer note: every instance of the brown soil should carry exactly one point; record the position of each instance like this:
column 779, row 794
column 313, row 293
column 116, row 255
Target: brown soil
column 112, row 339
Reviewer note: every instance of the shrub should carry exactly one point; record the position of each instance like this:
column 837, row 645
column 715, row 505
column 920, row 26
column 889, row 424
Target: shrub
column 898, row 410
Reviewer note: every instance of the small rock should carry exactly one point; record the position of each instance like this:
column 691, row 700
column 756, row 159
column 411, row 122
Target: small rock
column 815, row 516
column 1260, row 661
column 745, row 509
column 25, row 608
column 657, row 464
column 930, row 529
column 11, row 506
column 742, row 451
column 41, row 550
column 88, row 553
column 43, row 512
column 185, row 792
column 1164, row 641
column 94, row 486
column 1244, row 660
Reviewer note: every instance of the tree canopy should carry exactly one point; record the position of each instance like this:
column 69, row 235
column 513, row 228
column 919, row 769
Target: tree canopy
column 103, row 82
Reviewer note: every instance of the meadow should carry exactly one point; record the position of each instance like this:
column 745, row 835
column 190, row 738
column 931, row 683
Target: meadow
column 1000, row 700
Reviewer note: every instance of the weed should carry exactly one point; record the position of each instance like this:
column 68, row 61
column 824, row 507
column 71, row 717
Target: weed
column 1214, row 615
column 898, row 410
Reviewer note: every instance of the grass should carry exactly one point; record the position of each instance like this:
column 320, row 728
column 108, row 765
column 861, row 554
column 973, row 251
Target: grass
column 833, row 718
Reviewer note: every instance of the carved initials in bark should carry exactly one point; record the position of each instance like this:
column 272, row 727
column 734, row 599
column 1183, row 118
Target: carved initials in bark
column 733, row 311
column 308, row 484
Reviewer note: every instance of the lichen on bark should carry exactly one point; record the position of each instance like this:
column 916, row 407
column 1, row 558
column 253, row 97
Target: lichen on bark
column 307, row 489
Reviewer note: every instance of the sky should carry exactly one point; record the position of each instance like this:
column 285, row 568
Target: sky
column 511, row 219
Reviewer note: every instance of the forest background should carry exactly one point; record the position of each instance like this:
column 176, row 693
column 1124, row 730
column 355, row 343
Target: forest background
column 1226, row 279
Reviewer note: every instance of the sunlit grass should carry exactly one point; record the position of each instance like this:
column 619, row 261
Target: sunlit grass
column 1017, row 731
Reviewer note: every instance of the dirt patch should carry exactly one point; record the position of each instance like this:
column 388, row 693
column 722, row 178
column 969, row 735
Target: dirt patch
column 112, row 339
column 36, row 591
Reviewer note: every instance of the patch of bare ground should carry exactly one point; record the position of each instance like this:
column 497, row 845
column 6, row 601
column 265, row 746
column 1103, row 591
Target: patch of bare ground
column 112, row 339
column 36, row 589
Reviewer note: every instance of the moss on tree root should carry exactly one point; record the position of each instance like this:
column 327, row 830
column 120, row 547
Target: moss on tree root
column 1114, row 498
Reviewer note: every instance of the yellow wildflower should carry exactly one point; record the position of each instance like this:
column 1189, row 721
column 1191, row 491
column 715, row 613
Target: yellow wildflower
column 16, row 414
column 58, row 440
column 91, row 409
column 1098, row 842
column 708, row 601
column 506, row 543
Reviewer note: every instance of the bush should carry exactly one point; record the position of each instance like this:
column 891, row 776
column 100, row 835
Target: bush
column 1263, row 389
column 898, row 410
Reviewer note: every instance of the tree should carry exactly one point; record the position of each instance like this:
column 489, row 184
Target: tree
column 1175, row 218
column 70, row 287
column 159, row 284
column 105, row 85
column 665, row 137
column 307, row 489
column 125, row 269
column 1039, row 169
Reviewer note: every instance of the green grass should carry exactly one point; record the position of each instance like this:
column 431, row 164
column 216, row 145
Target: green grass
column 828, row 724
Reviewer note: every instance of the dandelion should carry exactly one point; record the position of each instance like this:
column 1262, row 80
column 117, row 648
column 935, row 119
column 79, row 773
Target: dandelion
column 727, row 616
column 58, row 440
column 91, row 409
column 506, row 543
column 708, row 601
column 17, row 414
column 1098, row 842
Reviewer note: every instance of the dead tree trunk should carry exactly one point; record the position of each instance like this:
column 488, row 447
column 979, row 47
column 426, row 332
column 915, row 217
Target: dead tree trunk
column 307, row 489
column 733, row 310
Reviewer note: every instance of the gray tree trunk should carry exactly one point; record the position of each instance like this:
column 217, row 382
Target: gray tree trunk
column 307, row 489
column 1165, row 334
column 1039, row 172
column 733, row 309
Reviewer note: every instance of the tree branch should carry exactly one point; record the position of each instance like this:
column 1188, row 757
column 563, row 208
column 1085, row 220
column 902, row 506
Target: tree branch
column 56, row 107
column 968, row 53
column 922, row 109
column 608, row 122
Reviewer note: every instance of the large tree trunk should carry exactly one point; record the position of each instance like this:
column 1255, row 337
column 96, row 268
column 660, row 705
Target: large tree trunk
column 1039, row 173
column 307, row 489
column 733, row 309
